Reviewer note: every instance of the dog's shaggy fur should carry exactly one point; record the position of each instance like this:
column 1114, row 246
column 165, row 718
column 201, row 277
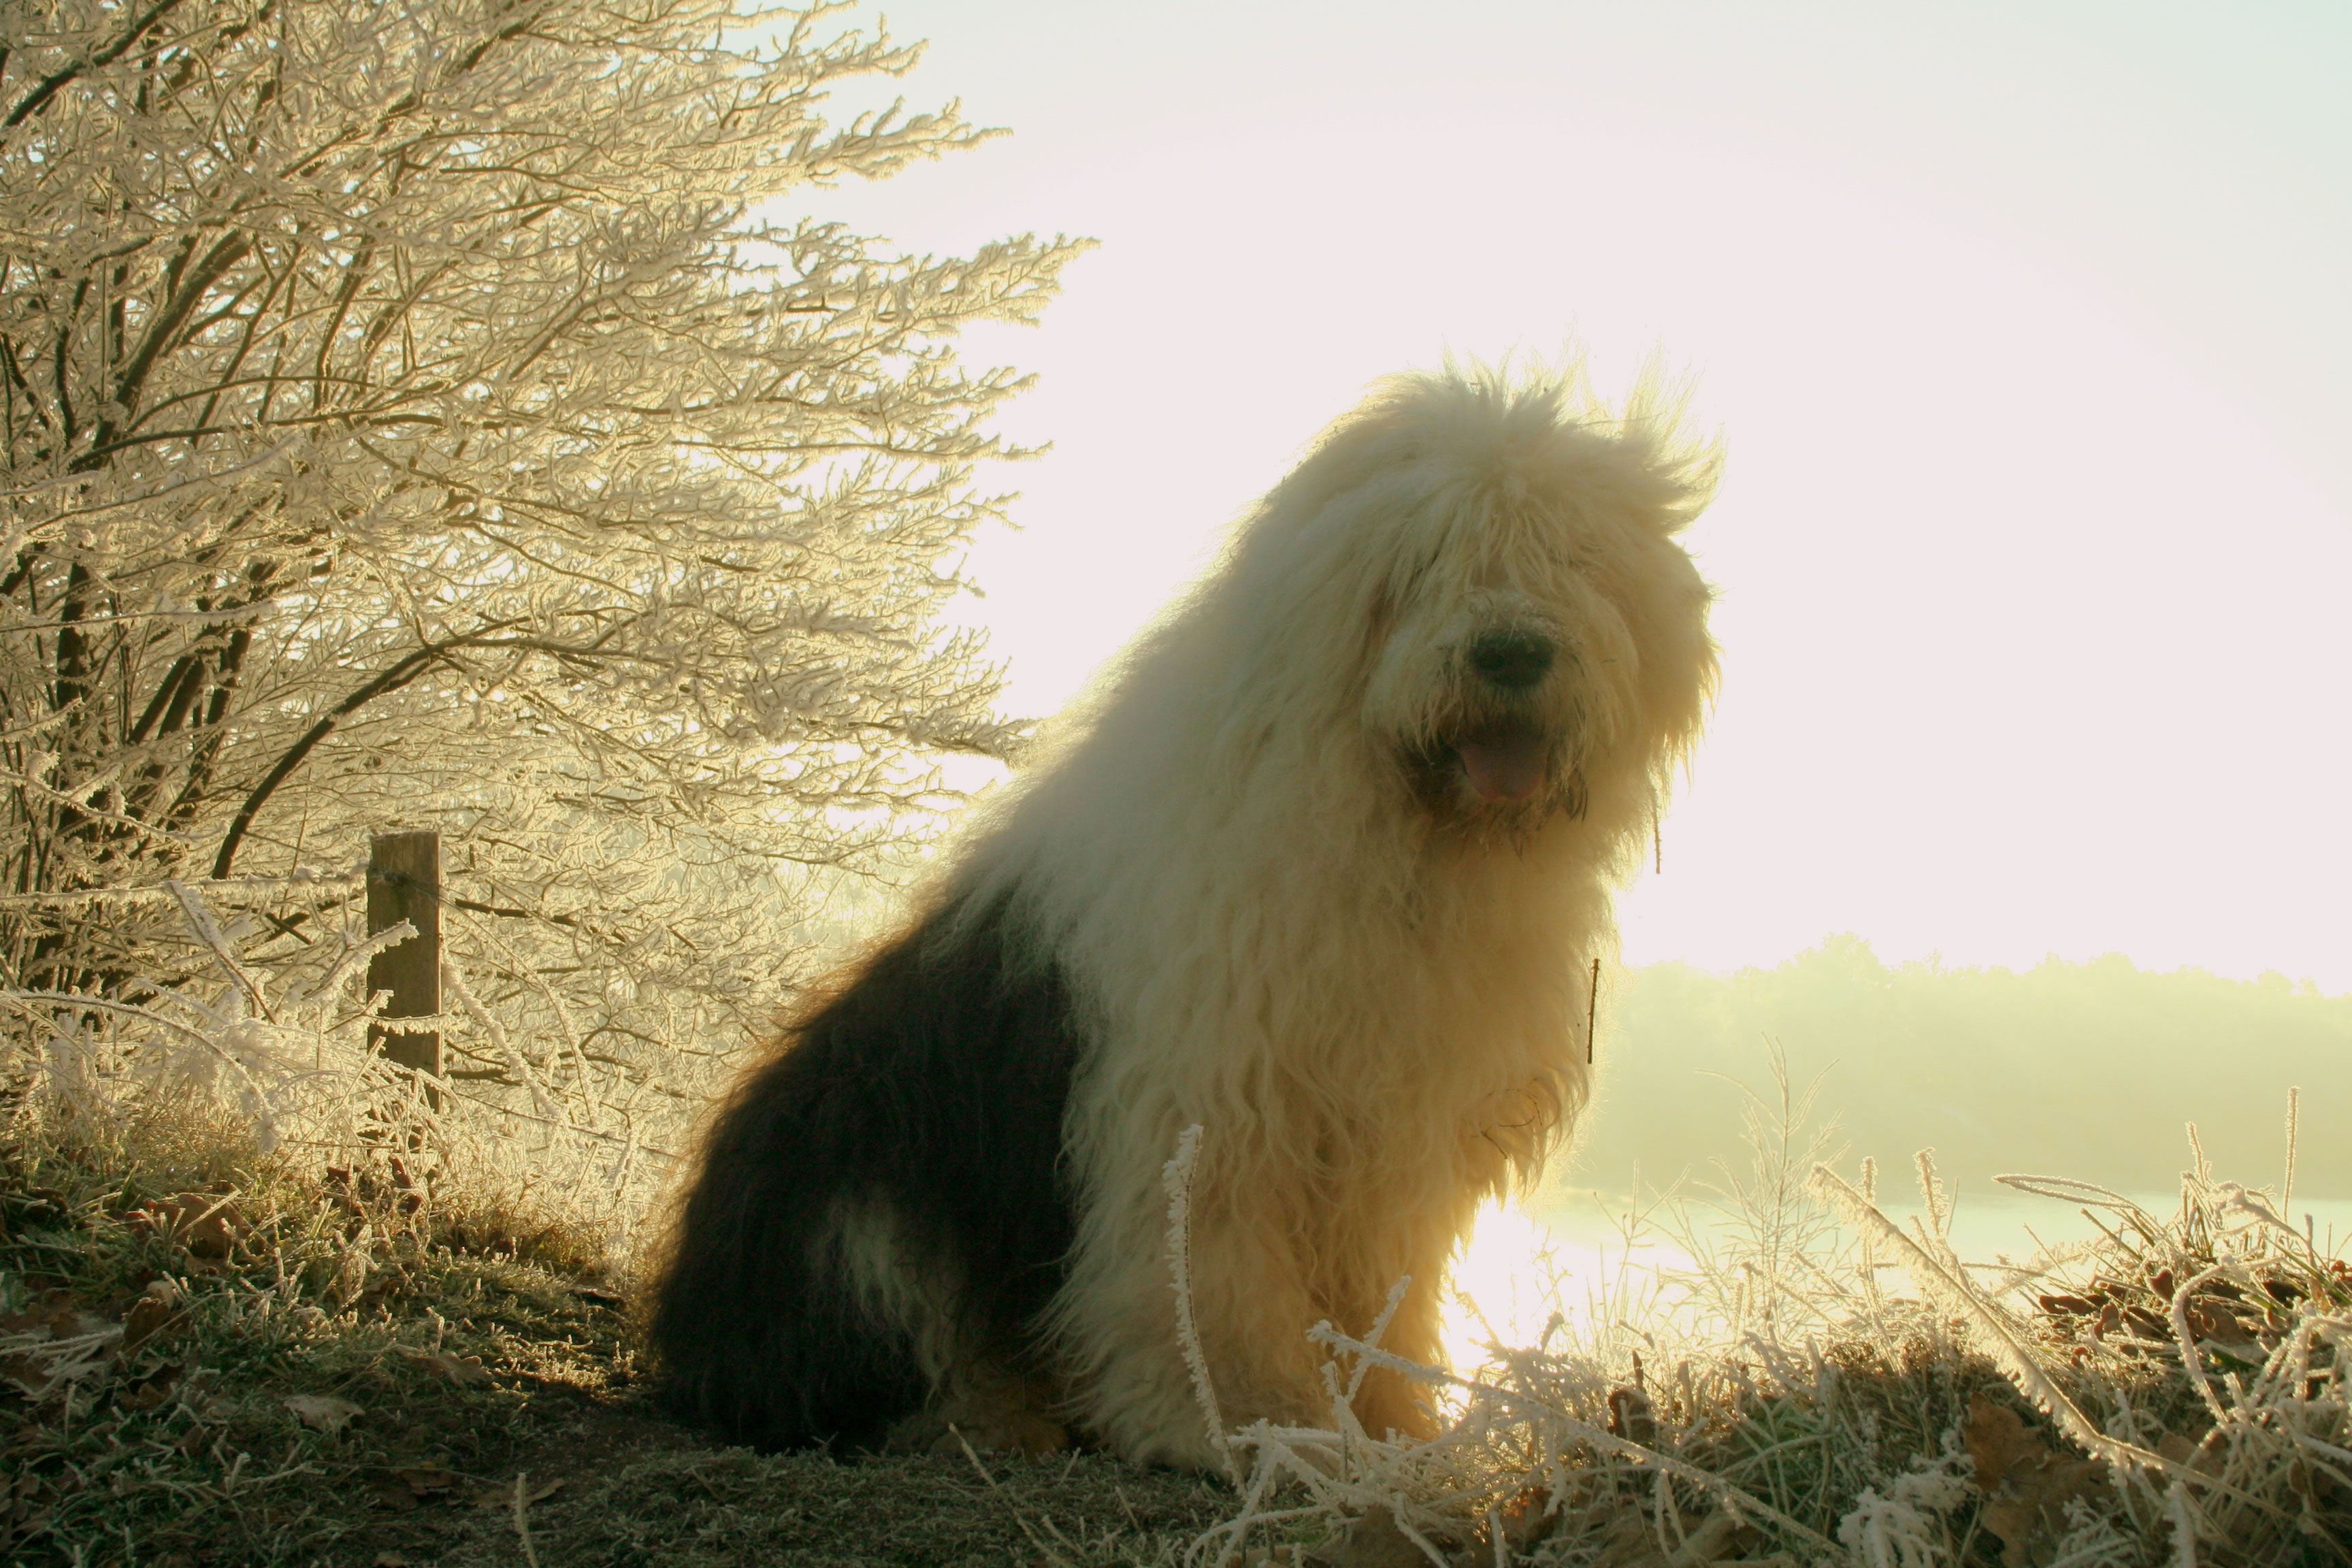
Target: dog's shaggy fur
column 1318, row 868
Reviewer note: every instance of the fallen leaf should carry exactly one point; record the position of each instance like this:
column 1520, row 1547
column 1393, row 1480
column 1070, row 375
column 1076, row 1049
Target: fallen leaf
column 389, row 1493
column 2217, row 1323
column 58, row 1316
column 1721, row 1533
column 2026, row 1485
column 208, row 1224
column 1631, row 1417
column 2201, row 1453
column 56, row 1342
column 322, row 1412
column 1374, row 1541
column 390, row 1560
column 462, row 1371
column 1528, row 1518
column 151, row 1391
column 1629, row 1542
column 412, row 1192
column 427, row 1482
column 158, row 1309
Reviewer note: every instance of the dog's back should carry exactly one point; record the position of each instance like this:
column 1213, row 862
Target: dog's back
column 881, row 1207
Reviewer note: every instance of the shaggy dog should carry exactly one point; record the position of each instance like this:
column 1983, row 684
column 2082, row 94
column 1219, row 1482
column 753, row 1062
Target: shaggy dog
column 1318, row 868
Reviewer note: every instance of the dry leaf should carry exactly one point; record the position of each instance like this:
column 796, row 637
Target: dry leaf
column 1632, row 1541
column 2026, row 1485
column 2201, row 1453
column 152, row 1391
column 2215, row 1321
column 1629, row 1542
column 1528, row 1519
column 56, row 1342
column 425, row 1482
column 322, row 1412
column 1631, row 1417
column 208, row 1224
column 57, row 1316
column 1372, row 1541
column 157, row 1310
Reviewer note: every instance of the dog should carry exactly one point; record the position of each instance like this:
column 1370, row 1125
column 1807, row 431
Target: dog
column 1319, row 868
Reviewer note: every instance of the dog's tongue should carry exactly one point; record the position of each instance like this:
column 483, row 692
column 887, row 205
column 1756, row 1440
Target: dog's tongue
column 1507, row 766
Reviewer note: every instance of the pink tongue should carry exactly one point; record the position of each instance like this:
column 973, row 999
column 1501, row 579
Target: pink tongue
column 1504, row 767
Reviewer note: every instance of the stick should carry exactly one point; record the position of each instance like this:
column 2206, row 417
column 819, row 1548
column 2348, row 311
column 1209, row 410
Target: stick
column 1591, row 1010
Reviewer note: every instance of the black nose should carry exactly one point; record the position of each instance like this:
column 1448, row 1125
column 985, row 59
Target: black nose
column 1512, row 660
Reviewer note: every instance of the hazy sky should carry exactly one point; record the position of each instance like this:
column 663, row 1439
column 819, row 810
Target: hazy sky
column 2025, row 326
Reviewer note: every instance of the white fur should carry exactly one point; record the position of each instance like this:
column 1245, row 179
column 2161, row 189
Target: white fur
column 1372, row 996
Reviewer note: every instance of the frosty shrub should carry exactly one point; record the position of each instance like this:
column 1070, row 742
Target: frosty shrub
column 415, row 414
column 1827, row 1388
column 224, row 1061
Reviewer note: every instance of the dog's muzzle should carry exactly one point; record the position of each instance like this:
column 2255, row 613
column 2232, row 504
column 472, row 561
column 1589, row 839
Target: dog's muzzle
column 1505, row 758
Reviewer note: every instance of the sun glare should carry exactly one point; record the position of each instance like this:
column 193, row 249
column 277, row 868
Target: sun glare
column 1502, row 1287
column 1520, row 1270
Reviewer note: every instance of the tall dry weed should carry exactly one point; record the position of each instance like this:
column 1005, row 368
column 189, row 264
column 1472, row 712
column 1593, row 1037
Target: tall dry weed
column 1824, row 1385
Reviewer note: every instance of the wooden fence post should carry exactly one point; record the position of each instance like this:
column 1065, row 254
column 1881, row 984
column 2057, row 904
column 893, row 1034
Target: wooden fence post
column 404, row 883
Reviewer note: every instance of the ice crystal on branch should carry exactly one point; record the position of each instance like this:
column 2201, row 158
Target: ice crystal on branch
column 414, row 416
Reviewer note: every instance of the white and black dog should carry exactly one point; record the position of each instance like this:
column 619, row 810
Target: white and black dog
column 1318, row 868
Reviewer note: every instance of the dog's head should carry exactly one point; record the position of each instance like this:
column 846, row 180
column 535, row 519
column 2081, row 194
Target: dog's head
column 1482, row 699
column 1529, row 636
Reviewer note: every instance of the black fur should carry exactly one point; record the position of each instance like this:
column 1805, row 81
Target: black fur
column 935, row 1083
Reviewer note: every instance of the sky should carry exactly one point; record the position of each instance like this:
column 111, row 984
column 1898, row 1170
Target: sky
column 2024, row 327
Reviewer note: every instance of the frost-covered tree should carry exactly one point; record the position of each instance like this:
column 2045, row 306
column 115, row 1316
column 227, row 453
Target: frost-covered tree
column 434, row 414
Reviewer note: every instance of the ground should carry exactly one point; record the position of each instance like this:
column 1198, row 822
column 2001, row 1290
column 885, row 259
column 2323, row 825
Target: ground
column 341, row 1378
column 229, row 1362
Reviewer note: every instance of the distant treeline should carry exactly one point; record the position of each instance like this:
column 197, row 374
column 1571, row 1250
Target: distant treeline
column 2082, row 1070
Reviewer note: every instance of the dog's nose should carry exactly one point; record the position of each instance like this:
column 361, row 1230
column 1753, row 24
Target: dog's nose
column 1512, row 660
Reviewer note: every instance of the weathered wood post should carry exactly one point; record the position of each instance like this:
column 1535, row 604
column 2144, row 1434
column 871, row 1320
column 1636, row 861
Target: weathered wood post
column 404, row 883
